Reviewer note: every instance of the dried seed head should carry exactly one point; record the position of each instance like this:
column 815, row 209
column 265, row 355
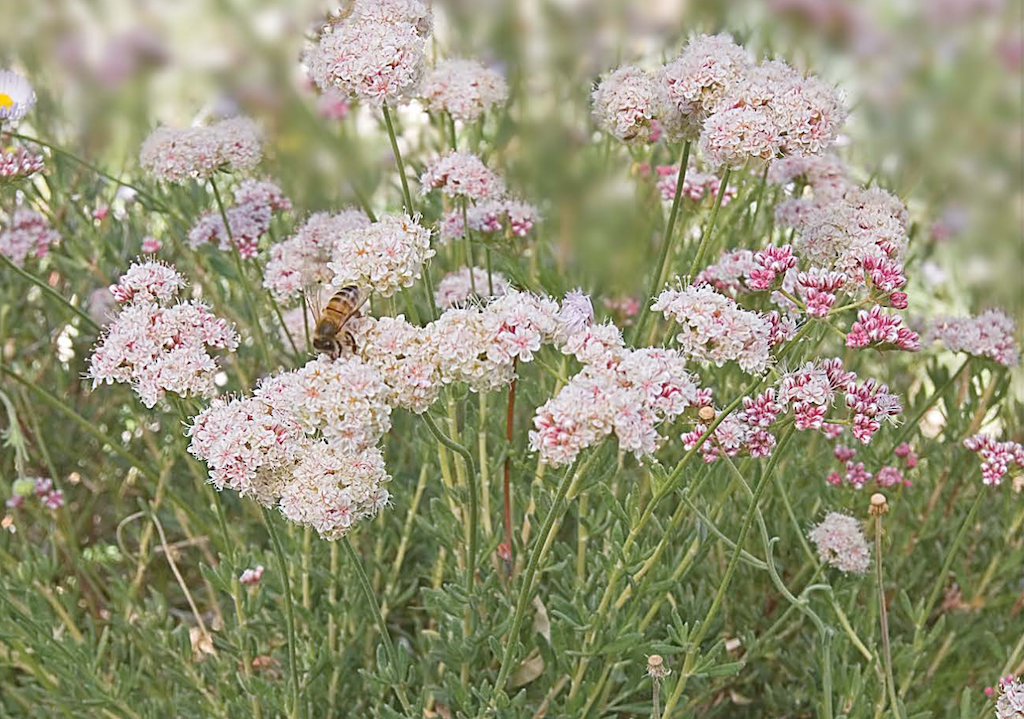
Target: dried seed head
column 706, row 413
column 879, row 505
column 656, row 668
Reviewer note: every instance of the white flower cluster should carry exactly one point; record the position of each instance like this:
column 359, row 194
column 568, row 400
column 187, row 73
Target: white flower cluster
column 713, row 328
column 158, row 347
column 299, row 263
column 464, row 89
column 179, row 154
column 740, row 111
column 841, row 543
column 625, row 392
column 1010, row 704
column 991, row 334
column 384, row 256
column 376, row 53
column 28, row 235
column 462, row 175
column 626, row 103
column 305, row 441
column 401, row 353
column 459, row 287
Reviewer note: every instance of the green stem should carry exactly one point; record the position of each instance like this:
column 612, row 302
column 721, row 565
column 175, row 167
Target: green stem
column 883, row 616
column 398, row 159
column 659, row 276
column 371, row 601
column 716, row 603
column 705, row 241
column 282, row 561
column 244, row 278
column 471, row 478
column 51, row 292
column 940, row 578
column 569, row 482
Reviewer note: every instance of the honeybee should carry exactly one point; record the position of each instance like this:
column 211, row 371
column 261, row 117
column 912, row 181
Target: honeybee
column 330, row 331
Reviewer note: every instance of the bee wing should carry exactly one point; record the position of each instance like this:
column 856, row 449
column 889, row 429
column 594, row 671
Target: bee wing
column 313, row 302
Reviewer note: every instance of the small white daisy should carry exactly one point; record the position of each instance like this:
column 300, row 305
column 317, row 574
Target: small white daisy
column 16, row 97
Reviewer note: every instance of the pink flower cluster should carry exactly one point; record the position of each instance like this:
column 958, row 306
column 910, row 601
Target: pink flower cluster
column 696, row 185
column 514, row 217
column 158, row 347
column 840, row 541
column 39, row 487
column 628, row 393
column 464, row 89
column 248, row 219
column 996, row 457
column 990, row 334
column 376, row 53
column 299, row 264
column 1010, row 704
column 28, row 235
column 181, row 154
column 457, row 288
column 626, row 102
column 19, row 164
column 462, row 175
column 713, row 328
column 875, row 328
column 857, row 475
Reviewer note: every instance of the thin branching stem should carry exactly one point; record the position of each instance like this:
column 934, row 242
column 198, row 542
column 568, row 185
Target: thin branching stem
column 295, row 707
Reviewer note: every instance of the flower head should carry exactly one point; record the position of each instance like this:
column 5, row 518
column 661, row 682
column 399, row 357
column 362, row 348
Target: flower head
column 384, row 256
column 17, row 97
column 28, row 235
column 464, row 89
column 841, row 543
column 179, row 154
column 990, row 334
column 457, row 288
column 625, row 103
column 462, row 175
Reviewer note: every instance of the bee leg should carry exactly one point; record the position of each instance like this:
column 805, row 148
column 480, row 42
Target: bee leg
column 350, row 341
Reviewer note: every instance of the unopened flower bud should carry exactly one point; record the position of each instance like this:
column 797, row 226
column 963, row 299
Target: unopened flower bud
column 879, row 505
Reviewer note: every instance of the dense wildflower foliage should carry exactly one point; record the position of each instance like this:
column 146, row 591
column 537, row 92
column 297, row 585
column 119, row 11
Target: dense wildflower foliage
column 430, row 386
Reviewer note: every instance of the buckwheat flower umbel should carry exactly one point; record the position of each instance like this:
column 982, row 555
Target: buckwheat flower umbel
column 17, row 98
column 729, row 273
column 18, row 164
column 841, row 543
column 825, row 174
column 465, row 89
column 299, row 263
column 180, row 154
column 696, row 185
column 402, row 354
column 148, row 282
column 874, row 328
column 1010, row 704
column 996, row 456
column 625, row 103
column 248, row 223
column 262, row 192
column 694, row 84
column 376, row 54
column 28, row 235
column 598, row 345
column 629, row 395
column 990, row 334
column 384, row 256
column 344, row 399
column 159, row 349
column 713, row 328
column 248, row 446
column 808, row 114
column 735, row 136
column 870, row 403
column 334, row 487
column 462, row 175
column 456, row 289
